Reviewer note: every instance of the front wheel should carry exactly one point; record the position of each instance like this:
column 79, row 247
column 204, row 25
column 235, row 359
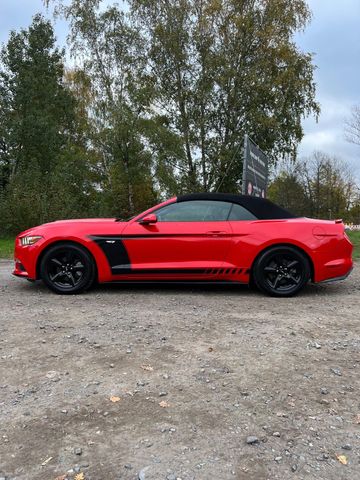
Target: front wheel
column 281, row 271
column 67, row 269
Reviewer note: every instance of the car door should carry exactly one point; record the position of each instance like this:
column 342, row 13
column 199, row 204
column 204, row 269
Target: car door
column 242, row 225
column 190, row 239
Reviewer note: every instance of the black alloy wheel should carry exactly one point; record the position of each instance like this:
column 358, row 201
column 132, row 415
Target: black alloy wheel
column 281, row 271
column 67, row 268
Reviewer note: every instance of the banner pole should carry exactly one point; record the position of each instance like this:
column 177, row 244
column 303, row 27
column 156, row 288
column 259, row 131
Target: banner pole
column 243, row 186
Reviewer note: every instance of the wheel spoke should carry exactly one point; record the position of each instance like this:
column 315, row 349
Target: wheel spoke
column 79, row 266
column 57, row 275
column 292, row 264
column 277, row 280
column 55, row 260
column 72, row 279
column 295, row 280
column 270, row 269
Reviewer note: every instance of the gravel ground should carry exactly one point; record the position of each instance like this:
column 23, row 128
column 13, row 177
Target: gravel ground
column 165, row 383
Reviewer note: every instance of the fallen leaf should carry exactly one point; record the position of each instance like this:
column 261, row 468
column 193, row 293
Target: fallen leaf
column 210, row 349
column 46, row 461
column 79, row 476
column 342, row 459
column 164, row 404
column 148, row 368
column 115, row 399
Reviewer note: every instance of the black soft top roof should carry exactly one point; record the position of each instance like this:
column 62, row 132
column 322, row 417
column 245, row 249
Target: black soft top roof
column 262, row 208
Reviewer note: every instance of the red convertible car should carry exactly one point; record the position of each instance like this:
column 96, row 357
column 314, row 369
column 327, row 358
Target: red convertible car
column 191, row 238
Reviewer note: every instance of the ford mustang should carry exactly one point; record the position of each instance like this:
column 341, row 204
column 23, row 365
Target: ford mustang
column 191, row 238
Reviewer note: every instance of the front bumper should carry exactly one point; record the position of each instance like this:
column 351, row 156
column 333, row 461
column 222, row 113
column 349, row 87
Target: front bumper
column 25, row 258
column 20, row 270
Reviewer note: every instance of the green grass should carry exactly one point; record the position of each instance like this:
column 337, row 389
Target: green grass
column 355, row 239
column 6, row 247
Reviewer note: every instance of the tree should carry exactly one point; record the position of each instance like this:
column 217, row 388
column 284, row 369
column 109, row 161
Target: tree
column 287, row 188
column 118, row 110
column 221, row 69
column 37, row 130
column 320, row 186
column 36, row 110
column 352, row 126
column 191, row 77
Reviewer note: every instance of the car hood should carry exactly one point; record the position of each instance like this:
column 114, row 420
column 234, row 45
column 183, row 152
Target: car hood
column 79, row 220
column 90, row 225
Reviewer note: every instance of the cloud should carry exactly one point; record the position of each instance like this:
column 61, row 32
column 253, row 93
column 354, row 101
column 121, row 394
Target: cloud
column 334, row 38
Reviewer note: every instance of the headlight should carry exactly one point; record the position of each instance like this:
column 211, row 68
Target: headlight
column 30, row 240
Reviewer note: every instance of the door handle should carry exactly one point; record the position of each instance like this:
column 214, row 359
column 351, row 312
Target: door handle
column 215, row 232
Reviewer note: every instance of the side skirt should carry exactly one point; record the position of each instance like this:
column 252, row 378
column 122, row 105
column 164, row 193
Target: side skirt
column 176, row 282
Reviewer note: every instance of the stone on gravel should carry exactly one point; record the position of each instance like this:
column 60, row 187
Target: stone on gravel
column 142, row 473
column 251, row 440
column 78, row 451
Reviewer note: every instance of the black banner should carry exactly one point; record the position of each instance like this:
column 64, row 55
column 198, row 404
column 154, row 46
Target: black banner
column 255, row 170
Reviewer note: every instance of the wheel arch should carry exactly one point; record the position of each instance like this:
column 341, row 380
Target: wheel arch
column 63, row 242
column 286, row 244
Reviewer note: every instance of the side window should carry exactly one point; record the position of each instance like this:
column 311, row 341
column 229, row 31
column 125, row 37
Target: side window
column 194, row 211
column 240, row 213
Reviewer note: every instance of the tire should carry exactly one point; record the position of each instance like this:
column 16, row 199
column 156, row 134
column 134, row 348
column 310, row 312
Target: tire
column 281, row 271
column 67, row 269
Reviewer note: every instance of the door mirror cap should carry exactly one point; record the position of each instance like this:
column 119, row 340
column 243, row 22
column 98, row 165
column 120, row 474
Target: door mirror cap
column 149, row 219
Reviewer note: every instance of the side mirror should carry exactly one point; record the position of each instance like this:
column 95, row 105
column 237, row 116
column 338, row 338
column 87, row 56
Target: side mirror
column 148, row 219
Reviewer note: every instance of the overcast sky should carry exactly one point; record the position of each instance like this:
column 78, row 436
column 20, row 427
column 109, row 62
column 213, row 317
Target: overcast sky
column 334, row 38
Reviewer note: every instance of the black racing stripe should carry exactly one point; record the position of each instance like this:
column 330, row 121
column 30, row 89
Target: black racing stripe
column 120, row 270
column 114, row 250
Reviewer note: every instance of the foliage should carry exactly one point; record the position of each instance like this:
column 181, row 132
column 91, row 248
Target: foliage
column 178, row 83
column 355, row 240
column 6, row 247
column 321, row 186
column 43, row 166
column 113, row 78
column 221, row 69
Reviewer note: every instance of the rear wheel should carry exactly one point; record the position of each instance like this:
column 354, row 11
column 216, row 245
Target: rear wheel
column 281, row 271
column 67, row 269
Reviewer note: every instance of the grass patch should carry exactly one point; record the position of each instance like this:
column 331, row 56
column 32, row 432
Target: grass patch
column 355, row 240
column 6, row 247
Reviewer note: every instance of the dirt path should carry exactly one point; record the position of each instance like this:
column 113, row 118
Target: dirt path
column 197, row 370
